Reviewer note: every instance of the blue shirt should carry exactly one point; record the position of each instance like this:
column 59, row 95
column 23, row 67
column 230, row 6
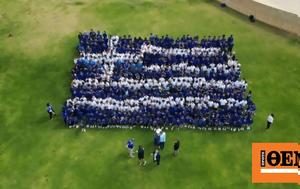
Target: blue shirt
column 49, row 109
column 158, row 156
column 130, row 144
column 162, row 137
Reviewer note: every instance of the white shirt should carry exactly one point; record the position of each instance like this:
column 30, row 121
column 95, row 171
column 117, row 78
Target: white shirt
column 270, row 119
column 158, row 131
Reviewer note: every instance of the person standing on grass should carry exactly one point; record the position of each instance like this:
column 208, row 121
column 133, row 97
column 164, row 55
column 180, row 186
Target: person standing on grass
column 50, row 111
column 157, row 137
column 83, row 129
column 162, row 140
column 130, row 147
column 157, row 157
column 176, row 147
column 156, row 140
column 141, row 155
column 270, row 120
column 230, row 43
column 154, row 155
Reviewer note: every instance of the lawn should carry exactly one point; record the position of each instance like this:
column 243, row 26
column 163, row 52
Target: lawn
column 37, row 47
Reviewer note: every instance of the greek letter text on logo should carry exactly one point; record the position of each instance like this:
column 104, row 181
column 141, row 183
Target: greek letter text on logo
column 276, row 163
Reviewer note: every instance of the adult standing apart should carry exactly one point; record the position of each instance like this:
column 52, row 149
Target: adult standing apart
column 270, row 120
column 130, row 147
column 157, row 137
column 50, row 111
column 141, row 155
column 176, row 147
column 162, row 140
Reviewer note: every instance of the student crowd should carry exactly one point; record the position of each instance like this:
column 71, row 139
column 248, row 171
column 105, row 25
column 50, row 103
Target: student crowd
column 157, row 81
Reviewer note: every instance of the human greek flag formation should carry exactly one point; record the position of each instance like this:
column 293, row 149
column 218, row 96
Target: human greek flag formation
column 158, row 82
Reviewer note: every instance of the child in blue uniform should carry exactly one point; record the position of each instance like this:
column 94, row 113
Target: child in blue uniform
column 130, row 146
column 50, row 111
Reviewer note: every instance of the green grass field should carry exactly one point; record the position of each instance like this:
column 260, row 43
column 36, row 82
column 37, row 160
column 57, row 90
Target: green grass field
column 35, row 66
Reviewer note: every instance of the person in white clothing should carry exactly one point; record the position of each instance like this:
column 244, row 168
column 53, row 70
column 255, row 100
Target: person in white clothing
column 270, row 120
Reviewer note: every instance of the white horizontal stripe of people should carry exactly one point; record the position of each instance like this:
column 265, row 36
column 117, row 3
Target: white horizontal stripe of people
column 232, row 65
column 109, row 57
column 196, row 51
column 112, row 57
column 187, row 82
column 154, row 102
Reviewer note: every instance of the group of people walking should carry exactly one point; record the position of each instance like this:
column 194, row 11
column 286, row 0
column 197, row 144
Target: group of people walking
column 159, row 144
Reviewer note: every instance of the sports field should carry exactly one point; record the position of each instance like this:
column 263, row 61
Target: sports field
column 37, row 47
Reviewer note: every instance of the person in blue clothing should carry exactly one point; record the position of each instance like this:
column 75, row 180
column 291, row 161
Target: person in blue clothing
column 50, row 111
column 162, row 140
column 130, row 147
